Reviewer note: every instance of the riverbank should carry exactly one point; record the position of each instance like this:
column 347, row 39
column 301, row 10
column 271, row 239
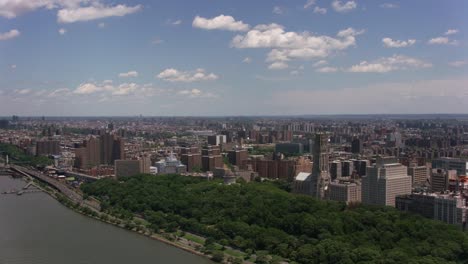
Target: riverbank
column 135, row 230
column 34, row 223
column 121, row 223
column 216, row 251
column 134, row 225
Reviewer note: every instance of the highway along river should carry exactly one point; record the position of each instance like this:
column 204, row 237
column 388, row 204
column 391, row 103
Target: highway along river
column 36, row 229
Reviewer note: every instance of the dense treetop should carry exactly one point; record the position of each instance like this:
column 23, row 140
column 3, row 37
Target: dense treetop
column 18, row 155
column 261, row 216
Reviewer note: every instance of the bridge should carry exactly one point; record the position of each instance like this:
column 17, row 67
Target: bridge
column 72, row 195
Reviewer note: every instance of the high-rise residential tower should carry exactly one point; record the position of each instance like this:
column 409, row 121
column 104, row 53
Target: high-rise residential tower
column 384, row 181
column 320, row 177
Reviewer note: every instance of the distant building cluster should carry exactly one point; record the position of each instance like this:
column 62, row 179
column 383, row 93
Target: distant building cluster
column 415, row 165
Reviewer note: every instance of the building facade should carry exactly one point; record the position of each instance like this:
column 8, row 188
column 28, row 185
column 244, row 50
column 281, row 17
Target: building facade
column 384, row 181
column 345, row 191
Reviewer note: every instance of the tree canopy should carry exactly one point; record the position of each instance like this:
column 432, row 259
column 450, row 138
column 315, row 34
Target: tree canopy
column 18, row 155
column 261, row 216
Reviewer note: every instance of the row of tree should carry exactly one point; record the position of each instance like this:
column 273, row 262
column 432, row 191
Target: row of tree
column 261, row 216
column 17, row 155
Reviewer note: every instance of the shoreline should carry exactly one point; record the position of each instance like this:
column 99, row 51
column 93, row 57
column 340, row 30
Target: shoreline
column 153, row 236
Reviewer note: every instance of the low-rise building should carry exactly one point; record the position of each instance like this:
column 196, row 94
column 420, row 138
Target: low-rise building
column 449, row 208
column 345, row 190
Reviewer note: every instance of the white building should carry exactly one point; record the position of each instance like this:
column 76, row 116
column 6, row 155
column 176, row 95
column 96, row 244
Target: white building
column 170, row 165
column 384, row 181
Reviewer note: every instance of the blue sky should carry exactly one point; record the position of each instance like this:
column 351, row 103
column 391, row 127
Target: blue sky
column 98, row 57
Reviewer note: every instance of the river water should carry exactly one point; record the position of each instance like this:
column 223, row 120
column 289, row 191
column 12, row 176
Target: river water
column 36, row 229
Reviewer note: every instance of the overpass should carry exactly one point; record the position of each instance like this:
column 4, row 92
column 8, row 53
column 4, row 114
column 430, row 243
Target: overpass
column 81, row 176
column 73, row 195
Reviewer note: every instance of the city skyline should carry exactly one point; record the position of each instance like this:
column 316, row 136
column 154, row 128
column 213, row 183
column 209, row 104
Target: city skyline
column 205, row 58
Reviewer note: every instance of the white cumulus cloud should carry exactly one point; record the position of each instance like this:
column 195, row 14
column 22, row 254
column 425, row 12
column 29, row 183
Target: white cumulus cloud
column 128, row 74
column 451, row 32
column 309, row 3
column 173, row 75
column 320, row 63
column 177, row 22
column 10, row 34
column 279, row 65
column 342, row 7
column 69, row 11
column 327, row 69
column 390, row 43
column 388, row 64
column 196, row 93
column 60, row 92
column 442, row 41
column 96, row 11
column 107, row 89
column 278, row 10
column 389, row 5
column 221, row 22
column 294, row 45
column 320, row 10
column 125, row 89
column 13, row 8
column 91, row 88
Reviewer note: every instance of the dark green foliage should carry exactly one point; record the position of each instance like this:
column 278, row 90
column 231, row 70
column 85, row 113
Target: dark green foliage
column 262, row 217
column 227, row 163
column 218, row 256
column 257, row 150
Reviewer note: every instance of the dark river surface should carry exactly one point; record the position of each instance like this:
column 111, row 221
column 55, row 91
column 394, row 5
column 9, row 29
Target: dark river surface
column 36, row 229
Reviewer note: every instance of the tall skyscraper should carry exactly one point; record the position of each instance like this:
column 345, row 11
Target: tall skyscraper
column 236, row 156
column 47, row 147
column 335, row 169
column 112, row 148
column 356, row 146
column 347, row 168
column 96, row 151
column 145, row 164
column 93, row 151
column 211, row 158
column 191, row 157
column 384, row 181
column 320, row 177
column 89, row 155
column 215, row 140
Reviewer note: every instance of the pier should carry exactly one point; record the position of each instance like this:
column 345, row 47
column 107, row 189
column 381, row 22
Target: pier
column 30, row 187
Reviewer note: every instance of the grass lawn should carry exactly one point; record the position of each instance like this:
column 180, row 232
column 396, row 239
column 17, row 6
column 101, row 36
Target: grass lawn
column 194, row 238
column 234, row 253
